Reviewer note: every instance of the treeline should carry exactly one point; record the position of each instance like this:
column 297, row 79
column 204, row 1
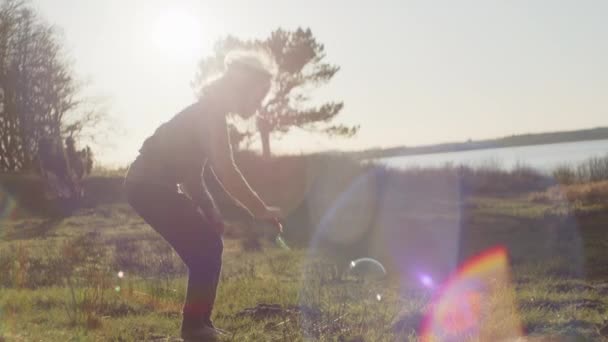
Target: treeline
column 39, row 92
column 290, row 181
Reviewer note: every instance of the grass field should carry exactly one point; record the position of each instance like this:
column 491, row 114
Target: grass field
column 60, row 282
column 101, row 274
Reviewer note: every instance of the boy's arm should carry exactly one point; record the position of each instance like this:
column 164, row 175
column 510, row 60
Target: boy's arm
column 229, row 175
column 195, row 187
column 212, row 177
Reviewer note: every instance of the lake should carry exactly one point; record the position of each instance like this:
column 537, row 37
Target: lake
column 542, row 157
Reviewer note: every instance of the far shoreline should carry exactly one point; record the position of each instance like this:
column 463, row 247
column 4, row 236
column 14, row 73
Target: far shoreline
column 486, row 148
column 600, row 133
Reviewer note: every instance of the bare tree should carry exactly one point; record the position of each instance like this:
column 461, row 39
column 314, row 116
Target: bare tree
column 301, row 68
column 40, row 94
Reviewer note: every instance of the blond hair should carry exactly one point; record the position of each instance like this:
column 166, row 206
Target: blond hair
column 252, row 60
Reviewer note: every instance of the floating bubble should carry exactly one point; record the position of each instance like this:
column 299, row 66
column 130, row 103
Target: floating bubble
column 117, row 289
column 368, row 274
column 121, row 274
column 366, row 269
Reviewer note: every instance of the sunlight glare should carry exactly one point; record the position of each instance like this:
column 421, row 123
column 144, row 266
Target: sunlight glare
column 178, row 34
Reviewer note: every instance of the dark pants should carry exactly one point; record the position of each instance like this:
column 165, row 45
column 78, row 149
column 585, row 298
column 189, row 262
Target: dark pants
column 178, row 220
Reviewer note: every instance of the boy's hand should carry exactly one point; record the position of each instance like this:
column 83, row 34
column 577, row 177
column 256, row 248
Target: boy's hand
column 270, row 214
column 279, row 225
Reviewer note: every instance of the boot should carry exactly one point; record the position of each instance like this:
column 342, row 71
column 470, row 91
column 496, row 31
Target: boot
column 200, row 331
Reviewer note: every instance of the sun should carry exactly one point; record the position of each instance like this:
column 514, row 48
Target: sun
column 177, row 34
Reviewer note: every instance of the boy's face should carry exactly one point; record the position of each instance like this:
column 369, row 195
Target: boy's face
column 251, row 96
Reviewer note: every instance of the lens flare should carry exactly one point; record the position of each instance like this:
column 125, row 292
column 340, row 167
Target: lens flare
column 350, row 217
column 427, row 281
column 477, row 302
column 8, row 205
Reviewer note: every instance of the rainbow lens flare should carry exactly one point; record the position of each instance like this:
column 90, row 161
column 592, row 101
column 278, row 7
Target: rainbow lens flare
column 477, row 303
column 8, row 205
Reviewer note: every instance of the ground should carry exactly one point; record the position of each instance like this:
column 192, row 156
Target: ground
column 103, row 275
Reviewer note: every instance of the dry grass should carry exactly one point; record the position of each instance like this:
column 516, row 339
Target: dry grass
column 585, row 194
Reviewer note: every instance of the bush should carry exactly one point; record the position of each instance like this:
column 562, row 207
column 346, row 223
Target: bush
column 28, row 193
column 594, row 169
column 307, row 186
column 564, row 174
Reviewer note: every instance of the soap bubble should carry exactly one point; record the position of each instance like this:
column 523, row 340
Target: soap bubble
column 367, row 274
column 366, row 270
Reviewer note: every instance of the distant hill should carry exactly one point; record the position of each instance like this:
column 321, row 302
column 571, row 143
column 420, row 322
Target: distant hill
column 510, row 141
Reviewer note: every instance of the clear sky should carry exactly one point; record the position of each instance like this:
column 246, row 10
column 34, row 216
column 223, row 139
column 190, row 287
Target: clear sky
column 413, row 72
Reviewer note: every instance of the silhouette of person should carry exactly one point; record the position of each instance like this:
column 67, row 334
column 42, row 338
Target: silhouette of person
column 55, row 169
column 194, row 141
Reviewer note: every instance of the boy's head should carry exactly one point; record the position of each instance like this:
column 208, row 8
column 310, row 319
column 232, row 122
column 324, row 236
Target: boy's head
column 249, row 75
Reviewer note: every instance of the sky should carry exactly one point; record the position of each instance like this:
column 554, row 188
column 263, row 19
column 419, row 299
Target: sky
column 412, row 72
